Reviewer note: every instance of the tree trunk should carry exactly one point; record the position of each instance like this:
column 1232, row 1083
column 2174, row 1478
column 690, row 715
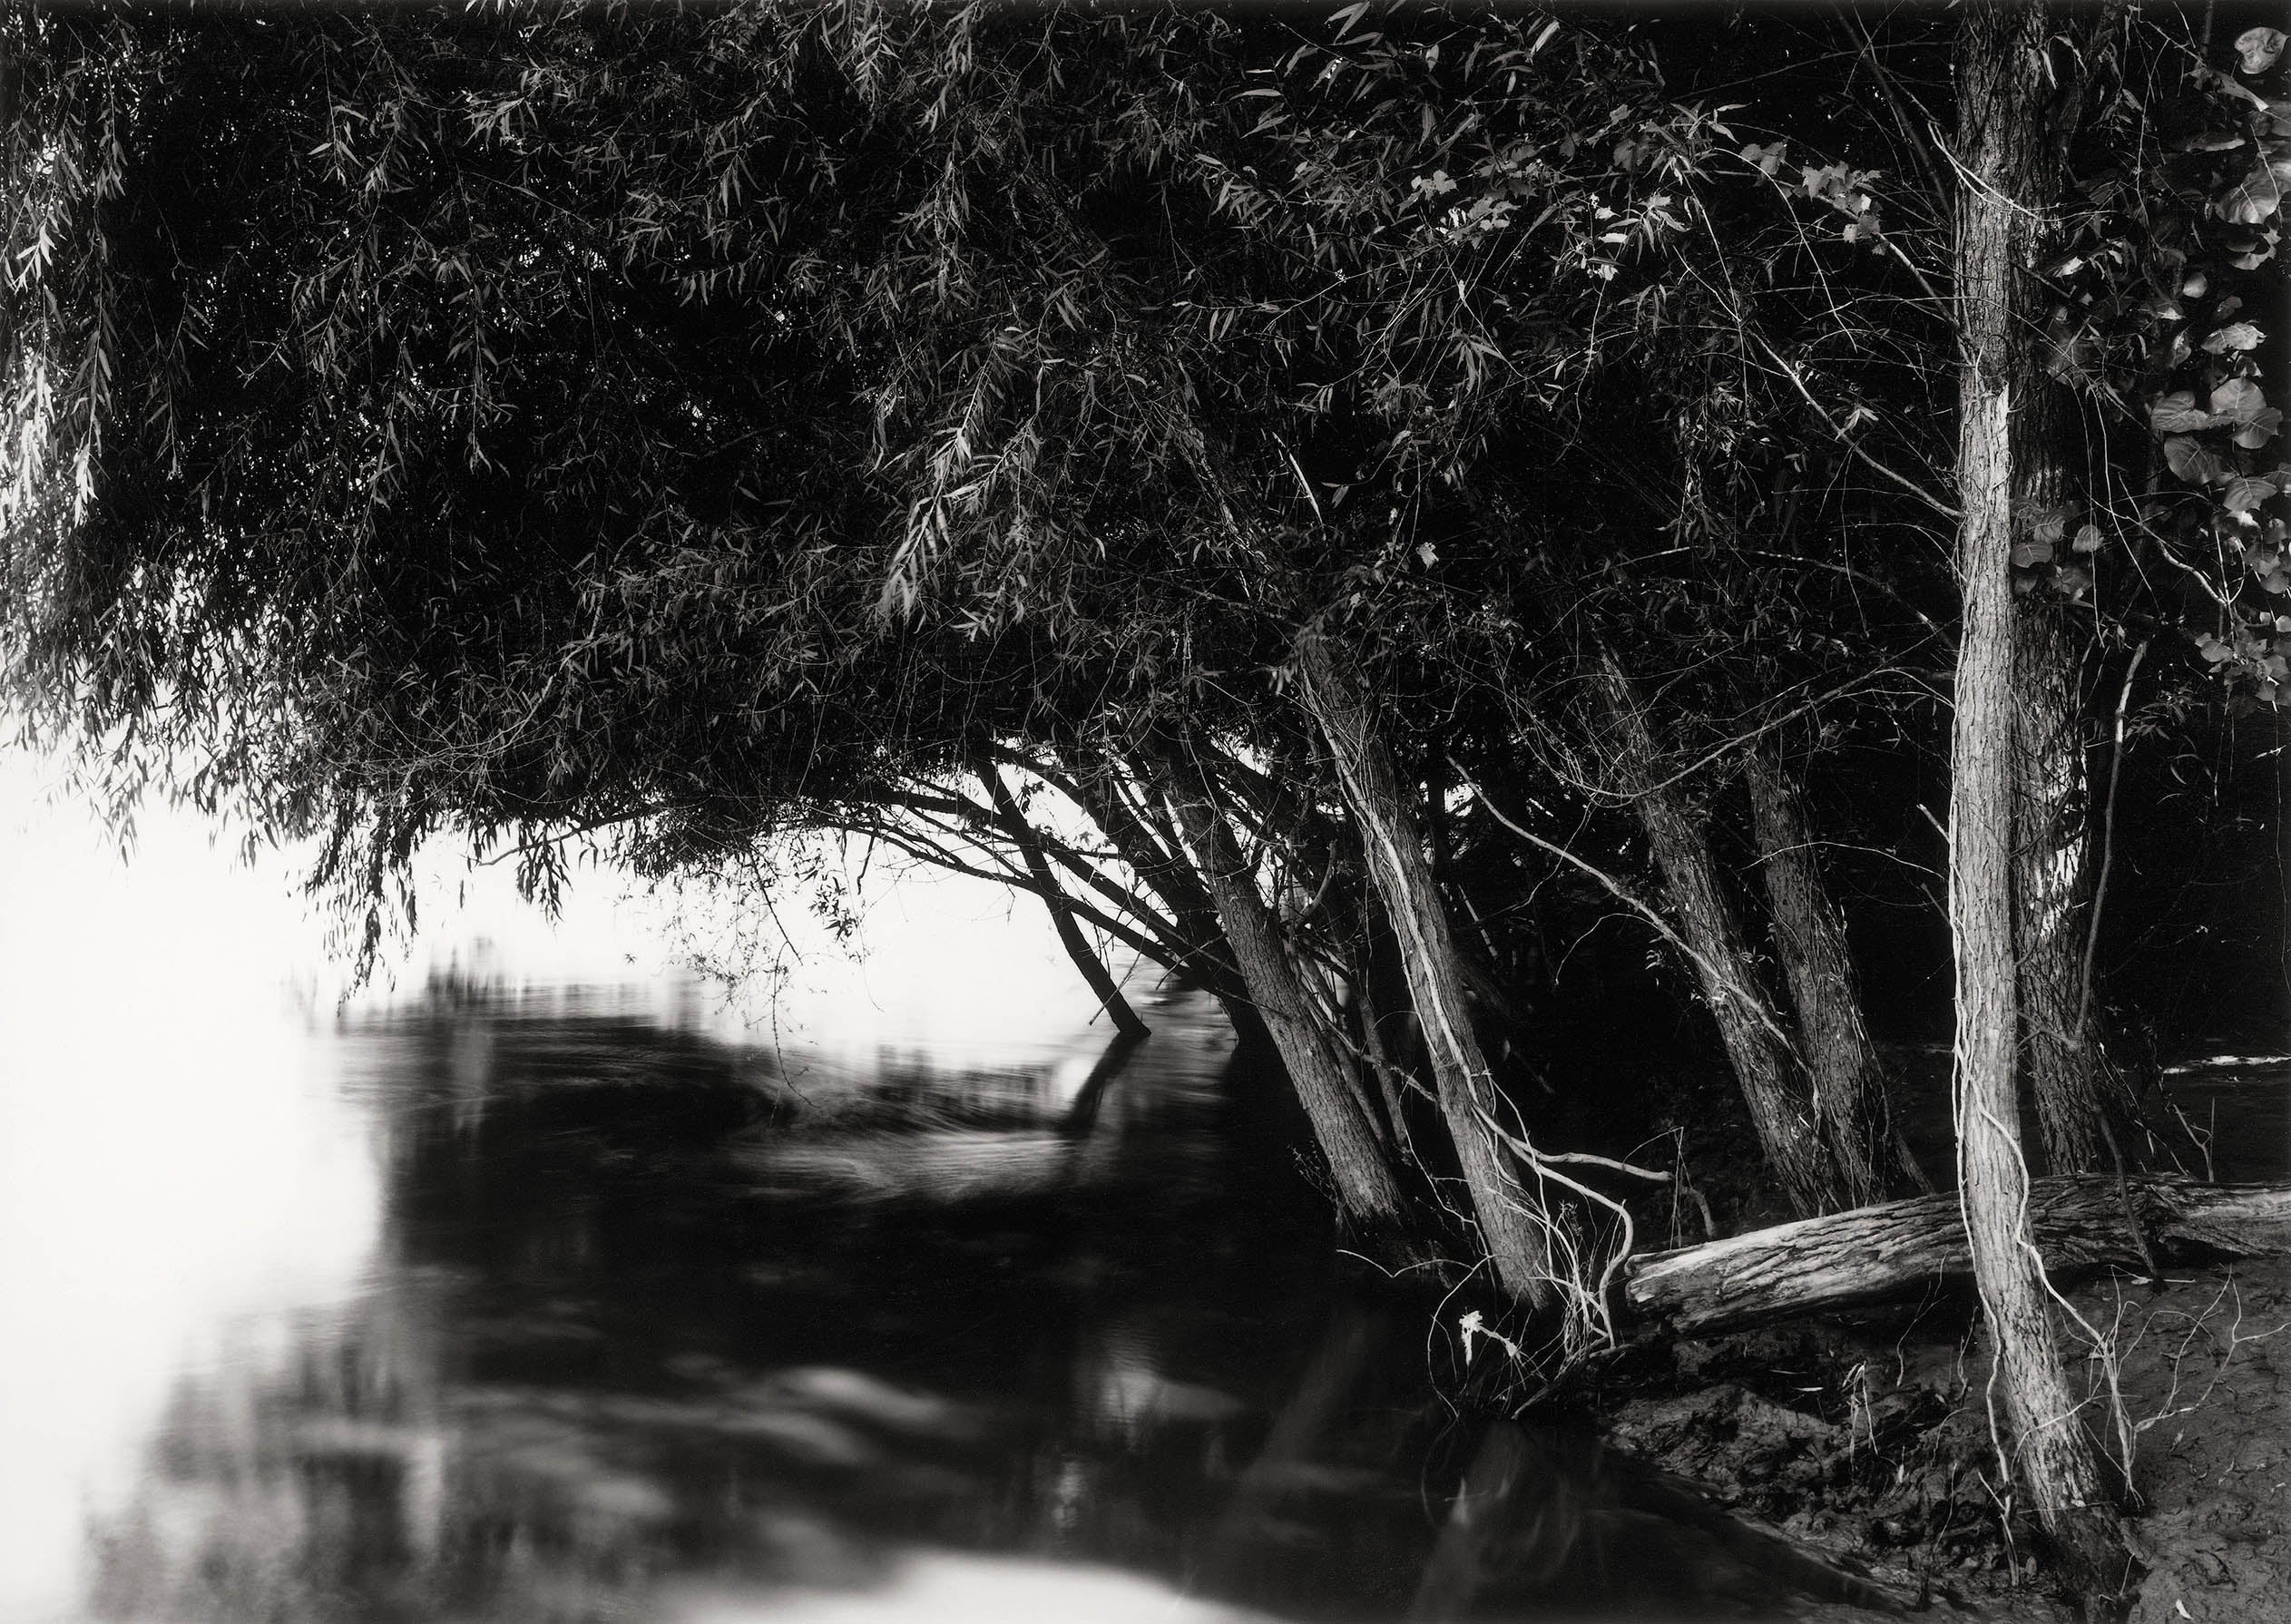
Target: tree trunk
column 1368, row 1198
column 1899, row 1251
column 1514, row 1225
column 1781, row 1105
column 2081, row 1101
column 1199, row 943
column 1389, row 1077
column 2001, row 139
column 1809, row 937
column 1094, row 970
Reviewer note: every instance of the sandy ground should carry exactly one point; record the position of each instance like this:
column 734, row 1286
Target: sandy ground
column 2208, row 1379
column 1870, row 1445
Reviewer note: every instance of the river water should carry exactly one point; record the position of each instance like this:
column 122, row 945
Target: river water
column 552, row 1305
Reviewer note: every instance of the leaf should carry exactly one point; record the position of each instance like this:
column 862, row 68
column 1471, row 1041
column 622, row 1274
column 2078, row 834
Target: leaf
column 2257, row 197
column 1768, row 158
column 2239, row 401
column 2189, row 459
column 2257, row 48
column 2259, row 430
column 2028, row 554
column 2235, row 336
column 2088, row 539
column 2247, row 494
column 2177, row 413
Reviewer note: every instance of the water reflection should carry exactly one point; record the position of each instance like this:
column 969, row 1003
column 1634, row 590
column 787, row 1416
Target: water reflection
column 658, row 1328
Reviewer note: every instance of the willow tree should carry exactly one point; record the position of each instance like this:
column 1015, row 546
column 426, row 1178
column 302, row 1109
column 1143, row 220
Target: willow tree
column 443, row 429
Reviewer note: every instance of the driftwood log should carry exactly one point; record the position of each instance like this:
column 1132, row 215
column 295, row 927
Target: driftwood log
column 1898, row 1250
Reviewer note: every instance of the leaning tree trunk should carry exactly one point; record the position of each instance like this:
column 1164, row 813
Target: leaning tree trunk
column 1126, row 1020
column 1514, row 1224
column 1368, row 1196
column 1809, row 938
column 2082, row 1105
column 2001, row 139
column 1199, row 942
column 1782, row 1109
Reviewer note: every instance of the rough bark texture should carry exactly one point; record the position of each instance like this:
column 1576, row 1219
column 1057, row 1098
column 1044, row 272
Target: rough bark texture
column 1809, row 938
column 2081, row 1100
column 2002, row 132
column 1782, row 1108
column 1513, row 1224
column 1125, row 1019
column 1368, row 1195
column 1895, row 1252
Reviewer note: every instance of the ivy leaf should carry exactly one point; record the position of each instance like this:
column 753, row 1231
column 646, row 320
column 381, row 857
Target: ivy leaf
column 2088, row 539
column 1768, row 159
column 2028, row 554
column 2257, row 48
column 2235, row 336
column 2178, row 414
column 2239, row 401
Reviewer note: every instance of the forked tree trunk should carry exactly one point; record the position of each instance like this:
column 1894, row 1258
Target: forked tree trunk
column 2081, row 1101
column 2000, row 140
column 1514, row 1227
column 1773, row 1085
column 1833, row 1033
column 1368, row 1195
column 1085, row 958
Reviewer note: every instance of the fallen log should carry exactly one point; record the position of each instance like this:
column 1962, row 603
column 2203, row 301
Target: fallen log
column 1897, row 1249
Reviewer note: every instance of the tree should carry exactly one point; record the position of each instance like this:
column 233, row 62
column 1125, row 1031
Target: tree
column 698, row 426
column 2004, row 143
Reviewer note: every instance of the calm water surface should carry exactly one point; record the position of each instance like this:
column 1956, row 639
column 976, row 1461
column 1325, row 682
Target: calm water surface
column 549, row 1307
